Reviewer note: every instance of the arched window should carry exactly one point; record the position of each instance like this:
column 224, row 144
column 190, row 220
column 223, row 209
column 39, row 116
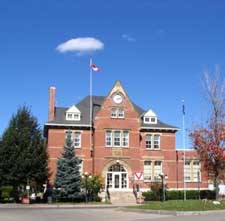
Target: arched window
column 117, row 168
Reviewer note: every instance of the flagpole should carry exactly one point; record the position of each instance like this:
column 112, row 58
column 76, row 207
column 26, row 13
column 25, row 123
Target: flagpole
column 184, row 146
column 90, row 104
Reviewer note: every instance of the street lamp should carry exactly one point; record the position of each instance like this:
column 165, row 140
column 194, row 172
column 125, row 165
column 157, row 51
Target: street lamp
column 163, row 177
column 86, row 176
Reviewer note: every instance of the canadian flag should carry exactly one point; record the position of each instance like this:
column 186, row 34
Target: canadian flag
column 94, row 67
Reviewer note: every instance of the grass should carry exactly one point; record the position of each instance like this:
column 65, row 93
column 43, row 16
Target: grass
column 180, row 205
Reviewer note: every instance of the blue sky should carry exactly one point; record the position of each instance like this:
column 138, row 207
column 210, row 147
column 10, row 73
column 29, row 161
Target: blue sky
column 158, row 49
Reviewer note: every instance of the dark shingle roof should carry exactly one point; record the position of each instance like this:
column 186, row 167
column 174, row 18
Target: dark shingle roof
column 84, row 107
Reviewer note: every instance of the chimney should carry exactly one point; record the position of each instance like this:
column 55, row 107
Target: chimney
column 51, row 104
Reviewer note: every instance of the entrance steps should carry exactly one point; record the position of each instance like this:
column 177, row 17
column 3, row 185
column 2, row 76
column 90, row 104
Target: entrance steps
column 122, row 197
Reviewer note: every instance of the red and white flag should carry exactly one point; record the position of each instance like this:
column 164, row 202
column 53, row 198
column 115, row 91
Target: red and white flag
column 94, row 67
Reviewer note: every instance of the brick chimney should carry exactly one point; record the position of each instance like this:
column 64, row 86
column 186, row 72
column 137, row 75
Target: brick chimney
column 51, row 104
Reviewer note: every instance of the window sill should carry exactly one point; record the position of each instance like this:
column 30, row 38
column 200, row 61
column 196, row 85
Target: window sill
column 151, row 149
column 190, row 181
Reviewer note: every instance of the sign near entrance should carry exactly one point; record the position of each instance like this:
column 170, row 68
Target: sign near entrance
column 139, row 176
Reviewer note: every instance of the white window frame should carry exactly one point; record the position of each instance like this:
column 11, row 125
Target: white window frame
column 106, row 138
column 119, row 137
column 152, row 147
column 148, row 145
column 193, row 171
column 117, row 112
column 73, row 116
column 123, row 138
column 147, row 168
column 114, row 112
column 154, row 174
column 81, row 169
column 146, row 121
column 149, row 121
column 120, row 113
column 74, row 137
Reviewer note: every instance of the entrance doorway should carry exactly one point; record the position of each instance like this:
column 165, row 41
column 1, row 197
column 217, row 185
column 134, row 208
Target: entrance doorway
column 117, row 177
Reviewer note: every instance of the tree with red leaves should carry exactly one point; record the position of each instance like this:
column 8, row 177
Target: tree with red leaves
column 209, row 140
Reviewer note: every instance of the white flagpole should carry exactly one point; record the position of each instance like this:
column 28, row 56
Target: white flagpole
column 184, row 147
column 90, row 103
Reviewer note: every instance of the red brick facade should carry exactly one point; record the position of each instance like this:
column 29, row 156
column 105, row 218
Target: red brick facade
column 99, row 158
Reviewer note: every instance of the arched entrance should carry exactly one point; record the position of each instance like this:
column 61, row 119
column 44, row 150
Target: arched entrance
column 117, row 177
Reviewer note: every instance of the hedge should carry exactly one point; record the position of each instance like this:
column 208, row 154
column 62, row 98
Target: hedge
column 179, row 194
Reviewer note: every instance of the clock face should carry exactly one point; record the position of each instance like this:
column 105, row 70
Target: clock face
column 117, row 98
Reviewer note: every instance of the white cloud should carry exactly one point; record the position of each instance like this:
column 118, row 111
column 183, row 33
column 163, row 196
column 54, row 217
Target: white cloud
column 80, row 45
column 128, row 37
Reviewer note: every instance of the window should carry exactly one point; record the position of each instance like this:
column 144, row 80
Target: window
column 120, row 113
column 117, row 138
column 153, row 119
column 117, row 112
column 76, row 116
column 81, row 168
column 157, row 170
column 108, row 139
column 187, row 171
column 69, row 116
column 77, row 139
column 192, row 171
column 152, row 169
column 147, row 170
column 156, row 141
column 152, row 141
column 125, row 139
column 196, row 171
column 146, row 120
column 148, row 141
column 114, row 113
column 73, row 116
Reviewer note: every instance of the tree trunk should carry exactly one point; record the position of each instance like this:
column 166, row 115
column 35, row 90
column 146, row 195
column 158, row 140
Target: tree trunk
column 216, row 183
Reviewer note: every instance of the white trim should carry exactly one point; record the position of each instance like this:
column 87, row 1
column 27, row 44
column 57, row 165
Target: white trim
column 73, row 125
column 160, row 128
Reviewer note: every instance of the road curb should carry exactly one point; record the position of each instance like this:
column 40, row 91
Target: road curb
column 50, row 206
column 173, row 213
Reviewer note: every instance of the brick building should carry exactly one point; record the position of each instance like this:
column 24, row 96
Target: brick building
column 123, row 143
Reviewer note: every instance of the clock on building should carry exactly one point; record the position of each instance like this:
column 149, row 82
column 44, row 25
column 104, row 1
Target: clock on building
column 117, row 98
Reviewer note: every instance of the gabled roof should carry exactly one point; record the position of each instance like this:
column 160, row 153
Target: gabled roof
column 150, row 113
column 84, row 108
column 73, row 109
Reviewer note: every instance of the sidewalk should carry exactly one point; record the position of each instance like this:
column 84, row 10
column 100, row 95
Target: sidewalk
column 121, row 207
column 55, row 206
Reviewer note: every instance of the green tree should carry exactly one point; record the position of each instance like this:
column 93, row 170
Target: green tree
column 93, row 185
column 23, row 155
column 68, row 180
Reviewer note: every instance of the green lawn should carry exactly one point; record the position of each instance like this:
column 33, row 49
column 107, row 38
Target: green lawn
column 180, row 205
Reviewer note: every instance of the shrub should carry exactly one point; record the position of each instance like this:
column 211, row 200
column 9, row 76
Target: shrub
column 6, row 193
column 179, row 195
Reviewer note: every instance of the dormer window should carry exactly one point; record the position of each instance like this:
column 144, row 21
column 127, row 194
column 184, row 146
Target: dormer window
column 73, row 114
column 150, row 117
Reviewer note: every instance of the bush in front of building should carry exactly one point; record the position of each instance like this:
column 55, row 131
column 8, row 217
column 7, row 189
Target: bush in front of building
column 6, row 194
column 179, row 195
column 93, row 185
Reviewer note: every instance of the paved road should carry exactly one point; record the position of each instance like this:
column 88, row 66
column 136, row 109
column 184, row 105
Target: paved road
column 94, row 215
